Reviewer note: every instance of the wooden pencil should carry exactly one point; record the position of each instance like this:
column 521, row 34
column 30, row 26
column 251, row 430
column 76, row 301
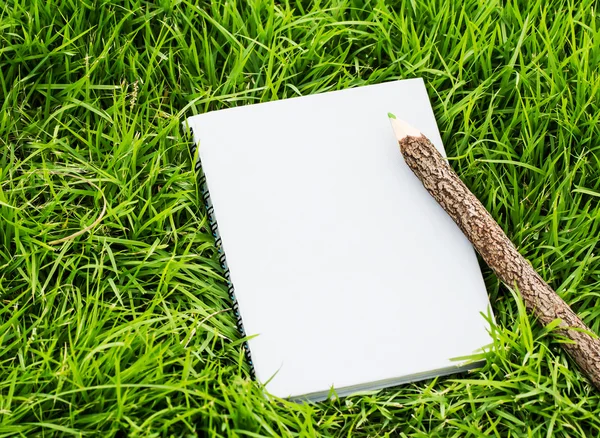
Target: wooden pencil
column 495, row 247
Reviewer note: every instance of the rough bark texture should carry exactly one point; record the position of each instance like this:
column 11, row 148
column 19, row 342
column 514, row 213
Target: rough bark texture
column 499, row 253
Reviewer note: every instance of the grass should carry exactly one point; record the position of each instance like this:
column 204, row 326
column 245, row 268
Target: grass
column 125, row 329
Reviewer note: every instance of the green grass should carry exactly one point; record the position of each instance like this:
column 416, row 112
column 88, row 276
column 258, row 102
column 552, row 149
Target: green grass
column 126, row 328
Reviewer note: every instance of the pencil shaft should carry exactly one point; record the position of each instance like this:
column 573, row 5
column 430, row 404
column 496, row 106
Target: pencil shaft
column 499, row 253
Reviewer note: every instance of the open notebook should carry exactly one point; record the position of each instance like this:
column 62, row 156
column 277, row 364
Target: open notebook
column 345, row 270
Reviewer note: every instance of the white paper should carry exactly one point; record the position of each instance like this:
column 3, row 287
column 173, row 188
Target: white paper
column 349, row 272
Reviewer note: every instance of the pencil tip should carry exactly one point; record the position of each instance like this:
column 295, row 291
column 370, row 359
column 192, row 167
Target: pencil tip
column 403, row 129
column 391, row 116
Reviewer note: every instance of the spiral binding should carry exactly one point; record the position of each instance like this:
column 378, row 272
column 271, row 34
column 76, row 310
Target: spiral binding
column 222, row 259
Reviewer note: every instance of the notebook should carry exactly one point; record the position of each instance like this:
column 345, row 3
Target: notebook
column 345, row 274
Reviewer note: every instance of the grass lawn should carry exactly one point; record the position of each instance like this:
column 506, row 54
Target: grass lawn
column 125, row 328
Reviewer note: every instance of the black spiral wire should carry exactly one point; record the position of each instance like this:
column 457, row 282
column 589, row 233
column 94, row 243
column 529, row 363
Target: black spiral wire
column 210, row 210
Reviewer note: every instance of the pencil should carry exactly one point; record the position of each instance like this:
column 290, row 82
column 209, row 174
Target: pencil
column 495, row 247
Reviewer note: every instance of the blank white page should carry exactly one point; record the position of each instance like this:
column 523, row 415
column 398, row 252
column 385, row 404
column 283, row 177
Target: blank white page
column 345, row 268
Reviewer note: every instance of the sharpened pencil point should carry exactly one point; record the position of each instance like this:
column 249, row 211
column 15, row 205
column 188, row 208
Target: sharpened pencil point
column 391, row 116
column 403, row 129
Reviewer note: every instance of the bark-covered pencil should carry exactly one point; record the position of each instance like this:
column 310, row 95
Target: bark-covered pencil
column 495, row 247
